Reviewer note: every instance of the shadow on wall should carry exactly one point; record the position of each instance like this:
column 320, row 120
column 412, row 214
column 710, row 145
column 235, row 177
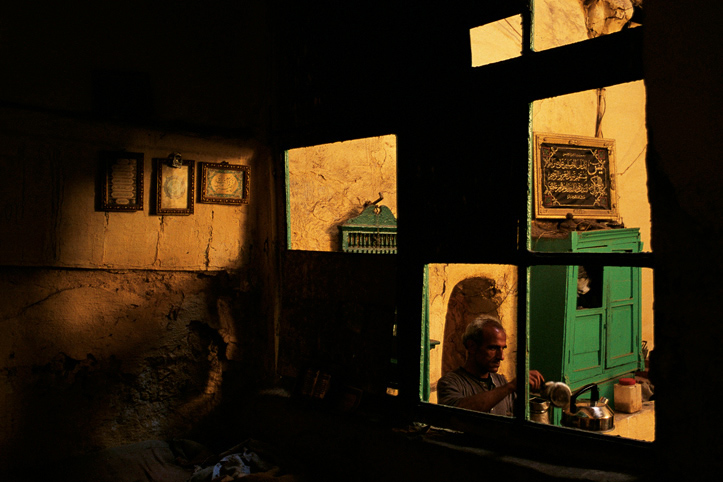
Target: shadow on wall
column 470, row 298
column 93, row 359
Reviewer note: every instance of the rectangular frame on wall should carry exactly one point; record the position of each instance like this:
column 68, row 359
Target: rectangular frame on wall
column 576, row 175
column 174, row 187
column 120, row 181
column 223, row 183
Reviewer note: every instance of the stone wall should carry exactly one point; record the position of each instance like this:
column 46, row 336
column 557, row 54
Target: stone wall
column 121, row 327
column 96, row 358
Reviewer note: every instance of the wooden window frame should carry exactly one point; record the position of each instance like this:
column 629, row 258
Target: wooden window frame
column 552, row 443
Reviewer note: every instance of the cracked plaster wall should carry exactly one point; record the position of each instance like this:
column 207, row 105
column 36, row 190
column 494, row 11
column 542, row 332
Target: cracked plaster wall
column 329, row 184
column 118, row 327
column 562, row 22
column 98, row 358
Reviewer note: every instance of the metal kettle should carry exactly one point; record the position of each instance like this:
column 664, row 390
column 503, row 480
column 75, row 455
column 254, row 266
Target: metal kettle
column 593, row 415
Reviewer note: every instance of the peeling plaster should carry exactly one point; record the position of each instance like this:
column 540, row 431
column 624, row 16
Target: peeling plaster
column 604, row 17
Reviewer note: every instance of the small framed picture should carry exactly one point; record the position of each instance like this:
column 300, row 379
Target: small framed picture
column 224, row 183
column 121, row 181
column 174, row 187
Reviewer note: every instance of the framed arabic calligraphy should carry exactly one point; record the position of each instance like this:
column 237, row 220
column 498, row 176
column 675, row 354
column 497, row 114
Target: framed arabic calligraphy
column 223, row 183
column 121, row 181
column 174, row 187
column 574, row 174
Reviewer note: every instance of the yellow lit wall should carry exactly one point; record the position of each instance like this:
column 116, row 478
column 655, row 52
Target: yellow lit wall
column 329, row 184
column 50, row 201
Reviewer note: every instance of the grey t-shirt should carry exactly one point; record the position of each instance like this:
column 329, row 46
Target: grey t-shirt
column 460, row 383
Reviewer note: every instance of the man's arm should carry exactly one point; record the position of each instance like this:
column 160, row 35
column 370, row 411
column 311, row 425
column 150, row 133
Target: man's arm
column 485, row 401
column 450, row 392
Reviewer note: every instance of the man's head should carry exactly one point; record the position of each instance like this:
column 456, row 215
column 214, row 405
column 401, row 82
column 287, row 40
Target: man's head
column 485, row 340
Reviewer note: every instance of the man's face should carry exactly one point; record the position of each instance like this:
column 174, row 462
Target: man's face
column 489, row 354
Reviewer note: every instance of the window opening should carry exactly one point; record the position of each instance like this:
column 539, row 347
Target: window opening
column 477, row 290
column 496, row 41
column 590, row 324
column 330, row 185
column 597, row 344
column 579, row 177
column 616, row 112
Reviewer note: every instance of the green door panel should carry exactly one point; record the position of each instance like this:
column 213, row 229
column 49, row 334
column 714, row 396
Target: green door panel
column 548, row 298
column 621, row 283
column 622, row 337
column 586, row 350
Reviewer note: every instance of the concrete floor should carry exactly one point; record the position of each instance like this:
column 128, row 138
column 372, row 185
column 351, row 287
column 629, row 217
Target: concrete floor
column 639, row 425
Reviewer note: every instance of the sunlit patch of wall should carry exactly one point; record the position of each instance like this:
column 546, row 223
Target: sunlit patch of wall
column 51, row 205
column 558, row 23
column 329, row 184
column 564, row 22
column 496, row 41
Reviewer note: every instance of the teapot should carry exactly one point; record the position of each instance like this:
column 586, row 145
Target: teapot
column 593, row 415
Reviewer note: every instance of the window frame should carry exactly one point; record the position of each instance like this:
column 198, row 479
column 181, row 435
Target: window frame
column 322, row 121
column 519, row 435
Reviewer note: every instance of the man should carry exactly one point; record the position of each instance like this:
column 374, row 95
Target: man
column 476, row 385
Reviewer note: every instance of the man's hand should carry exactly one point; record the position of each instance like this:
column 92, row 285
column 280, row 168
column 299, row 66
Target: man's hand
column 536, row 380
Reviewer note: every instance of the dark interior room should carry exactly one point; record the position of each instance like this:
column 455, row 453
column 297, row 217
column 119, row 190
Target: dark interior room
column 182, row 299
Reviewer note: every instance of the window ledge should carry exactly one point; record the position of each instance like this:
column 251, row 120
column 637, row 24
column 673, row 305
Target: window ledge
column 528, row 466
column 363, row 444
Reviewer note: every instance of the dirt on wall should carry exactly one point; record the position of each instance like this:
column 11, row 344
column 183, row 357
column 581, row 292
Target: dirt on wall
column 95, row 358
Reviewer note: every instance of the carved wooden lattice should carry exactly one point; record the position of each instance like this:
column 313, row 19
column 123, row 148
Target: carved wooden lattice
column 373, row 231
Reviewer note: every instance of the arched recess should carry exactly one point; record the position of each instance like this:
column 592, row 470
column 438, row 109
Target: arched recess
column 470, row 298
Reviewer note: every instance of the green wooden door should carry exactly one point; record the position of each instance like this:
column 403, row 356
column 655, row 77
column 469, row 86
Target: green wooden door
column 548, row 300
column 605, row 339
column 623, row 325
column 586, row 355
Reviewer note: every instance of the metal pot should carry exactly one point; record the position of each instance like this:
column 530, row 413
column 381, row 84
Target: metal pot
column 593, row 415
column 539, row 410
column 557, row 393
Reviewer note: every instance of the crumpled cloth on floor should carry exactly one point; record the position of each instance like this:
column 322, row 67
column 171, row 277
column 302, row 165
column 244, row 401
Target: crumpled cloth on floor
column 232, row 466
column 239, row 463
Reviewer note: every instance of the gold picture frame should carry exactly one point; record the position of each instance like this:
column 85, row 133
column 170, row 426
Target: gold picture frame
column 223, row 183
column 120, row 181
column 174, row 187
column 576, row 175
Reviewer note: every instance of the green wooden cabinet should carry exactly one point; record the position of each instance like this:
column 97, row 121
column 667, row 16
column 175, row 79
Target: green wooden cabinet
column 585, row 322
